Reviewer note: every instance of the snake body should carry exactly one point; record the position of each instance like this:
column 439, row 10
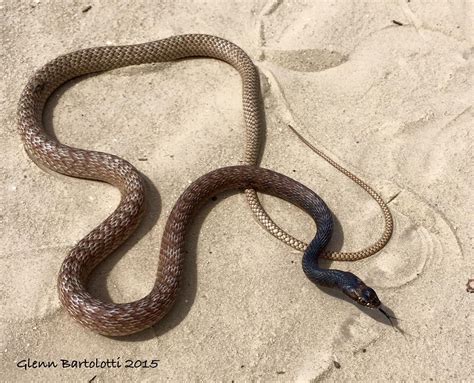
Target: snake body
column 122, row 319
column 127, row 318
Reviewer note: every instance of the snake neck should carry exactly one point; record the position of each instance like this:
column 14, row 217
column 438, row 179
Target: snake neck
column 321, row 277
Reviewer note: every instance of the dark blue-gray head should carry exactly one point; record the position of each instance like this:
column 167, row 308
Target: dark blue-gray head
column 359, row 292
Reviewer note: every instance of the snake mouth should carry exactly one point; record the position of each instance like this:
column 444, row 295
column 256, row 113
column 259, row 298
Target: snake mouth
column 368, row 298
column 371, row 305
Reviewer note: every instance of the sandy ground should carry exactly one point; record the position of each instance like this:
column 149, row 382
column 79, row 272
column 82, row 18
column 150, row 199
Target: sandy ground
column 391, row 102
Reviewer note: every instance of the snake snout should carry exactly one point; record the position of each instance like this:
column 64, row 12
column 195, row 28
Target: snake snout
column 361, row 293
column 369, row 298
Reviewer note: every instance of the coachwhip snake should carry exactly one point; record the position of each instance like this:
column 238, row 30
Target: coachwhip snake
column 122, row 319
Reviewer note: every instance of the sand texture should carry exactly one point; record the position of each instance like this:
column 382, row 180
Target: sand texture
column 392, row 103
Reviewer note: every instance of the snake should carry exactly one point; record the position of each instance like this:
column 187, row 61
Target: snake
column 114, row 319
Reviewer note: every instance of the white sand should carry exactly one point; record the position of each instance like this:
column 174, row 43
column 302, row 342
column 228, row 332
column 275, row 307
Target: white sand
column 392, row 103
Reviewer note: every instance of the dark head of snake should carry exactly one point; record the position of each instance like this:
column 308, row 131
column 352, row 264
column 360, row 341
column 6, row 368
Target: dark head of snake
column 344, row 281
column 364, row 295
column 359, row 292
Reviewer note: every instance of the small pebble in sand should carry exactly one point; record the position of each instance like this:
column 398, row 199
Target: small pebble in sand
column 470, row 286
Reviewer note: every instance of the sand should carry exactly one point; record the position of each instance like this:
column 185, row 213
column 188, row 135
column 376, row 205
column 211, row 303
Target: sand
column 393, row 103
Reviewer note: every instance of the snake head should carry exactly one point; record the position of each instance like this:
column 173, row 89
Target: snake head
column 361, row 293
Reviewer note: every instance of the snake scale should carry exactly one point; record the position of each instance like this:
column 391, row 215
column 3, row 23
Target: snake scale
column 122, row 319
